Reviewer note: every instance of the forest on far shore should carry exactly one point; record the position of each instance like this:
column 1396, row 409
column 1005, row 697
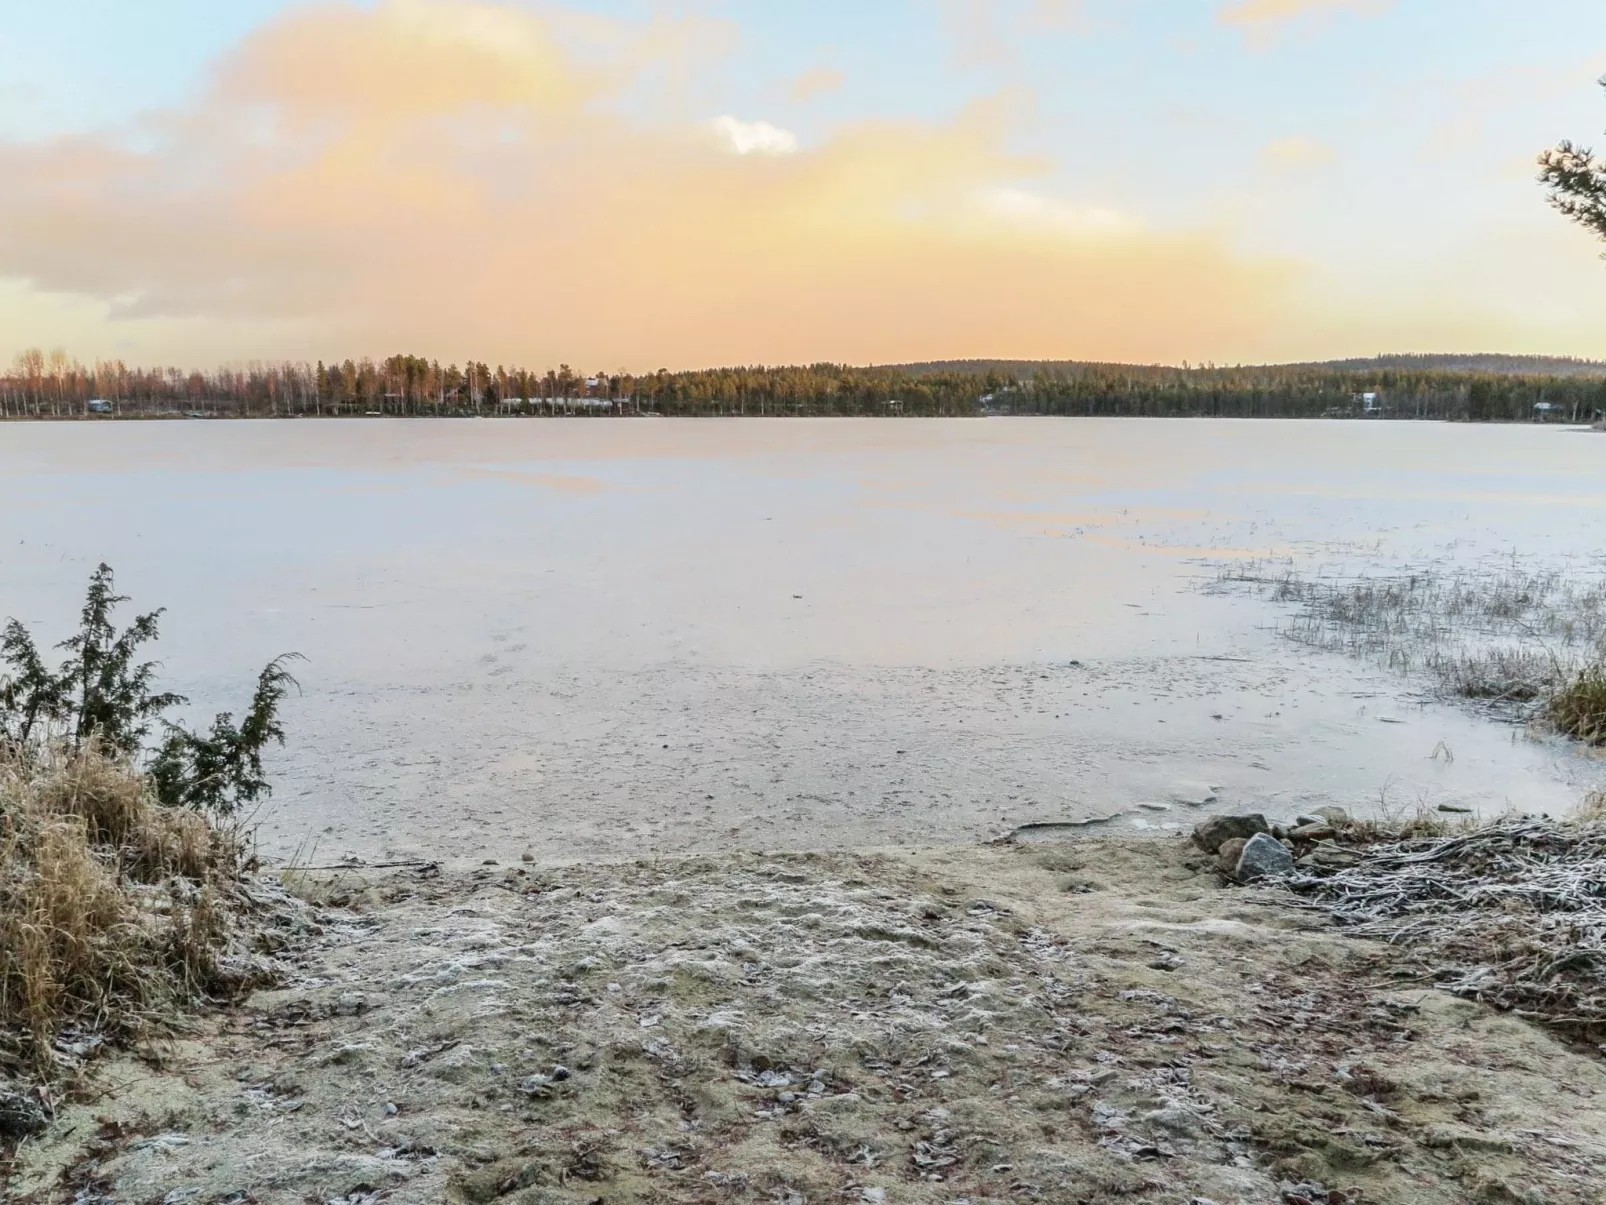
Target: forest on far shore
column 1453, row 388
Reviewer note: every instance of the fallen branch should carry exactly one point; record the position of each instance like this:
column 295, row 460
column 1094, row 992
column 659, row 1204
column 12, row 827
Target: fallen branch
column 1513, row 914
column 416, row 862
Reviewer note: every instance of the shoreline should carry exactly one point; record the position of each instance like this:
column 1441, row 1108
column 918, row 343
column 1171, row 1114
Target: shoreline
column 1577, row 427
column 1059, row 1021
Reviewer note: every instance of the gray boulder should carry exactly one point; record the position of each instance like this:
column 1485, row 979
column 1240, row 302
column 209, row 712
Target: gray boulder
column 1263, row 856
column 1209, row 834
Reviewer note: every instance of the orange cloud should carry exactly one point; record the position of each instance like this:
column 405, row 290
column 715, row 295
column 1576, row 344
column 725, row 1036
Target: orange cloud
column 449, row 177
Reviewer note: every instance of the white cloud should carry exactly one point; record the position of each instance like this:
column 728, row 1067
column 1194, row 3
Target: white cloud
column 755, row 137
column 1030, row 209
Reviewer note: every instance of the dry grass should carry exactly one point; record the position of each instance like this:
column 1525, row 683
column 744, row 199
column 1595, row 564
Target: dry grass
column 1526, row 642
column 1593, row 808
column 1577, row 708
column 1421, row 825
column 112, row 910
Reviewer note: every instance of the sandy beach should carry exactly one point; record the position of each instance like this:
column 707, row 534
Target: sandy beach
column 1084, row 1021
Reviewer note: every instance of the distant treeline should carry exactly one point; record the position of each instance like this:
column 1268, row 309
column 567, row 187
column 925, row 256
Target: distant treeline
column 1477, row 363
column 56, row 386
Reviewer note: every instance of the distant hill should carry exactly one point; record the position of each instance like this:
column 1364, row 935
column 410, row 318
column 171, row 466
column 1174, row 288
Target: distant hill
column 1478, row 362
column 1485, row 362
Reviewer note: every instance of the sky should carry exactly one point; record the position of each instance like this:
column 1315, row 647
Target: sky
column 635, row 184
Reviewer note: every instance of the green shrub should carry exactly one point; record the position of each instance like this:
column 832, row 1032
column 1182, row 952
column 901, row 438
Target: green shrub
column 222, row 771
column 103, row 697
column 1578, row 707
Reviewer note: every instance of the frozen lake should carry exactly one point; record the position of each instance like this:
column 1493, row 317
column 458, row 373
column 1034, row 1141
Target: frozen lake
column 619, row 637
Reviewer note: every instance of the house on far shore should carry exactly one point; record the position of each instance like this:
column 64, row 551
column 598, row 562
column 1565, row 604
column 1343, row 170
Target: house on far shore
column 1546, row 411
column 996, row 404
column 1371, row 403
column 99, row 405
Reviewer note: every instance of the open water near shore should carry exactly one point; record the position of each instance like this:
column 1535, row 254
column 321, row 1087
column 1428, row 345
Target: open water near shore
column 617, row 638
